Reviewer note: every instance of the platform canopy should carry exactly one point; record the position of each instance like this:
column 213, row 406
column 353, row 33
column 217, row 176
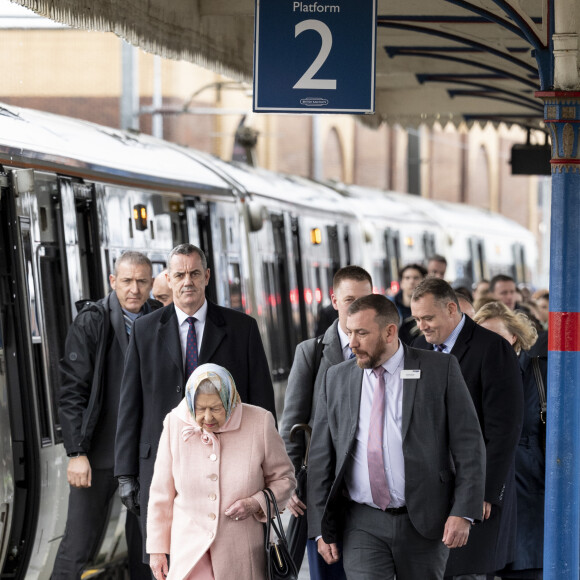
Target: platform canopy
column 437, row 60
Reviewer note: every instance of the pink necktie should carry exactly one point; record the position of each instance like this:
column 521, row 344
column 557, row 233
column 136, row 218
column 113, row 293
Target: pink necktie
column 375, row 459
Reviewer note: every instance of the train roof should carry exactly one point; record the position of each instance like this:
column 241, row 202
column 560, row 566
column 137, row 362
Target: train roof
column 463, row 217
column 373, row 203
column 257, row 181
column 89, row 150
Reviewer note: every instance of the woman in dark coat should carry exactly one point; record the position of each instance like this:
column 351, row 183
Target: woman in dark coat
column 517, row 329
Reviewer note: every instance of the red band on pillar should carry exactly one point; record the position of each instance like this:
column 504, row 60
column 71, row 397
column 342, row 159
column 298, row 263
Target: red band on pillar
column 564, row 333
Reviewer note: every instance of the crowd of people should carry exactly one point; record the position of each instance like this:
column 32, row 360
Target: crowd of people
column 426, row 455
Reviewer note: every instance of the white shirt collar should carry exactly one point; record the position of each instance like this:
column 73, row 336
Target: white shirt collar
column 200, row 315
column 344, row 341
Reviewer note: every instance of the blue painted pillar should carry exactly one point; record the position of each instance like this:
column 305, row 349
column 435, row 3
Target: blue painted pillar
column 562, row 511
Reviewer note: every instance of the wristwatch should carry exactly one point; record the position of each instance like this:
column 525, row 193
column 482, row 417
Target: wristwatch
column 76, row 454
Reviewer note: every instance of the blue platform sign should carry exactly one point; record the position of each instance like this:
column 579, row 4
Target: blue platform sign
column 315, row 57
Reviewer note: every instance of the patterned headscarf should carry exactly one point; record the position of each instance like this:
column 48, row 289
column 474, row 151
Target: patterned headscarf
column 221, row 379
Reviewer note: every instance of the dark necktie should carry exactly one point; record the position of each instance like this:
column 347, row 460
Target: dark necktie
column 375, row 458
column 439, row 347
column 128, row 323
column 191, row 349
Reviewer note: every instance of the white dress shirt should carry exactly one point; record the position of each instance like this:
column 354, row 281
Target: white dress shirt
column 357, row 474
column 450, row 341
column 344, row 343
column 199, row 324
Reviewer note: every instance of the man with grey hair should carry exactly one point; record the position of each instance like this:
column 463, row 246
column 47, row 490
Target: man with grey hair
column 164, row 350
column 491, row 370
column 91, row 370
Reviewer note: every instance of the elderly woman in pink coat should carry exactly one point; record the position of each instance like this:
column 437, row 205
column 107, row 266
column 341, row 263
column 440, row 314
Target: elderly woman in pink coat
column 206, row 506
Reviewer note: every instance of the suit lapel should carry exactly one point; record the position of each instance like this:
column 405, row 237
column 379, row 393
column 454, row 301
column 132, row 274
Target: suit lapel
column 117, row 321
column 354, row 386
column 411, row 362
column 169, row 336
column 461, row 345
column 332, row 347
column 213, row 333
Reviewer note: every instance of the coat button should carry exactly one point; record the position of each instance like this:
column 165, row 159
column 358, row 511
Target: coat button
column 211, row 516
column 211, row 535
column 178, row 389
column 213, row 457
column 212, row 496
column 213, row 477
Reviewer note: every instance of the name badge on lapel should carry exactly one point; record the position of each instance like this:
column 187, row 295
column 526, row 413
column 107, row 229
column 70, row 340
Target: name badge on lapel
column 411, row 374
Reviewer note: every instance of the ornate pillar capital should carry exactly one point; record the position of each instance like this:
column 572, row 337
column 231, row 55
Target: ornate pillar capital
column 562, row 116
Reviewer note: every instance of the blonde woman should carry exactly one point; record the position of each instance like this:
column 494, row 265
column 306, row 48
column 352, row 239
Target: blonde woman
column 517, row 329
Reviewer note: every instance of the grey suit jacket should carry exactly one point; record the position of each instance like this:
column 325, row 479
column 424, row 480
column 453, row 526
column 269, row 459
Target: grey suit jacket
column 443, row 447
column 304, row 387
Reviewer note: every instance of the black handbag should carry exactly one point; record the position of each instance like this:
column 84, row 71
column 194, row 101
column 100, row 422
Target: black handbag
column 279, row 564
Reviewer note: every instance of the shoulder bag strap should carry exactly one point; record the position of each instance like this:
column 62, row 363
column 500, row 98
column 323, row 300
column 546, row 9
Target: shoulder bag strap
column 279, row 529
column 268, row 524
column 541, row 388
column 318, row 349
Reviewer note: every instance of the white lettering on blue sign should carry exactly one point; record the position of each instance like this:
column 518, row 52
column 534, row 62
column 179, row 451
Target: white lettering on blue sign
column 315, row 7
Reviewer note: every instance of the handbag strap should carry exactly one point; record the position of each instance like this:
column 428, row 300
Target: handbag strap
column 541, row 388
column 279, row 529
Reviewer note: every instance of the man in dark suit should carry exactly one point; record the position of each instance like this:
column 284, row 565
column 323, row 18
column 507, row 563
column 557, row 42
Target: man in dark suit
column 397, row 457
column 304, row 382
column 165, row 348
column 91, row 369
column 490, row 369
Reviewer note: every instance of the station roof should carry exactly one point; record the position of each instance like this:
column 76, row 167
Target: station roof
column 446, row 61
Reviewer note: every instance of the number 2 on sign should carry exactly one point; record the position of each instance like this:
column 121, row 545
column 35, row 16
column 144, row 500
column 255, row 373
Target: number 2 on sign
column 306, row 81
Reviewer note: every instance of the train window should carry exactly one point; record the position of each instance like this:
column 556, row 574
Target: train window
column 392, row 263
column 276, row 319
column 333, row 253
column 88, row 239
column 35, row 334
column 237, row 299
column 346, row 240
column 300, row 323
column 519, row 263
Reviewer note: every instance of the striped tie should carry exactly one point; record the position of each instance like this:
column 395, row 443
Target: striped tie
column 128, row 323
column 439, row 347
column 375, row 458
column 191, row 349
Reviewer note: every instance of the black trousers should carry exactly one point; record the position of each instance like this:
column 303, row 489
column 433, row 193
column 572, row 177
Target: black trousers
column 88, row 511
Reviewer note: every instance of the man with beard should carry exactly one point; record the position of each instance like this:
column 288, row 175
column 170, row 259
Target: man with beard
column 397, row 457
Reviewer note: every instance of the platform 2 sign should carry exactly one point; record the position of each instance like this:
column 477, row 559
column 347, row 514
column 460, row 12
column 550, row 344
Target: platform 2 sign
column 315, row 57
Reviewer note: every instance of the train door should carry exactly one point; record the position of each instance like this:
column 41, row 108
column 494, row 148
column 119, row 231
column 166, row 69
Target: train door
column 333, row 255
column 276, row 280
column 34, row 317
column 519, row 263
column 297, row 292
column 393, row 256
column 202, row 210
column 428, row 245
column 477, row 260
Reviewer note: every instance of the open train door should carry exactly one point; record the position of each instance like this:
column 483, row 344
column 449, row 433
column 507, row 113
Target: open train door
column 34, row 317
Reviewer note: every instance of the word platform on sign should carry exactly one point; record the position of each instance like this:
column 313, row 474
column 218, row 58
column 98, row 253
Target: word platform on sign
column 315, row 57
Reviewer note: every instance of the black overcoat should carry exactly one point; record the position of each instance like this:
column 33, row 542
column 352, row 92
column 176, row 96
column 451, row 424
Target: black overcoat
column 154, row 382
column 490, row 368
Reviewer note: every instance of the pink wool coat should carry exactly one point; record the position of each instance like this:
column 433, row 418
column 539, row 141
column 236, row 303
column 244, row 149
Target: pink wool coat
column 193, row 485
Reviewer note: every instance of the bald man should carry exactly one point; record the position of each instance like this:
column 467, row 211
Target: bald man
column 161, row 290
